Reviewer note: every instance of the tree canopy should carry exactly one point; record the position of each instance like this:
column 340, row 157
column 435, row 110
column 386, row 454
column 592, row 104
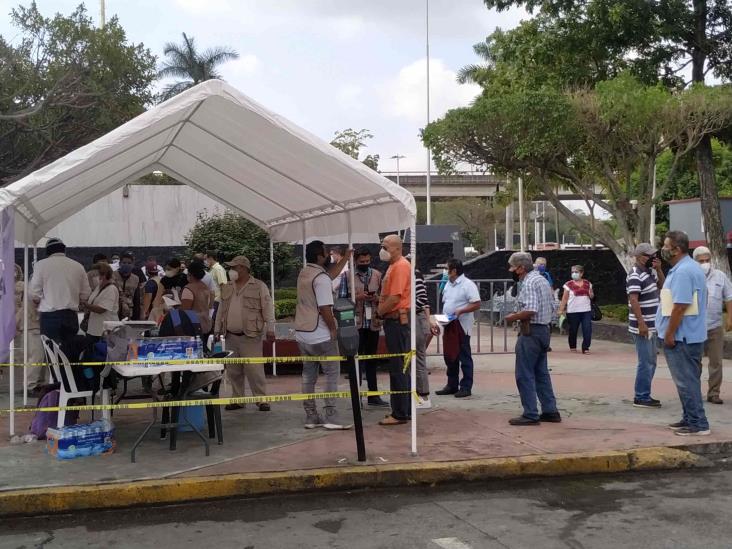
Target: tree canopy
column 63, row 83
column 351, row 142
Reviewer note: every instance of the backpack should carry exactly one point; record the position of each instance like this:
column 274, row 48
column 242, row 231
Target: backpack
column 43, row 420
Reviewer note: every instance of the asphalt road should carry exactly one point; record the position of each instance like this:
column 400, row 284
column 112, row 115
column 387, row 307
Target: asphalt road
column 675, row 509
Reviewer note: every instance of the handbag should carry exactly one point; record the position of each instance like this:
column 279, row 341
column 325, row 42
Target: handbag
column 596, row 312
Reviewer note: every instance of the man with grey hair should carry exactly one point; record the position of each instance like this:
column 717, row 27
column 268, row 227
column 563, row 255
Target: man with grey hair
column 719, row 292
column 535, row 309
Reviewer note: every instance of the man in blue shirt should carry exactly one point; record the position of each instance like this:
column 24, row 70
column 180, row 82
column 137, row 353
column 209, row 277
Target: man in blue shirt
column 681, row 324
column 460, row 300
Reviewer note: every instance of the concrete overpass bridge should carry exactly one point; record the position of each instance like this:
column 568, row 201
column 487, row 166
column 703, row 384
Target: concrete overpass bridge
column 463, row 185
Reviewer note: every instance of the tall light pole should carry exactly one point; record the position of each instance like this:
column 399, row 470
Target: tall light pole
column 398, row 157
column 429, row 153
column 102, row 13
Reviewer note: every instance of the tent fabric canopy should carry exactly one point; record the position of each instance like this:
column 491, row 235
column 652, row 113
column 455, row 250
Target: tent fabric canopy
column 227, row 146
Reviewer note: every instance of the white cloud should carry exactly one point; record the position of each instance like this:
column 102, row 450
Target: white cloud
column 405, row 96
column 246, row 64
column 203, row 7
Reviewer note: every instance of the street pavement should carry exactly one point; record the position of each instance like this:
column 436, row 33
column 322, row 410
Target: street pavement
column 678, row 509
column 594, row 394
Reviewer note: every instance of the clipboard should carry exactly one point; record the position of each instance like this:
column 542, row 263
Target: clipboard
column 667, row 304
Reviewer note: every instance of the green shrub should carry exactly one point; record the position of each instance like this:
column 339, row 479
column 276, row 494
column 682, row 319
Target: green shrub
column 618, row 312
column 285, row 307
column 285, row 293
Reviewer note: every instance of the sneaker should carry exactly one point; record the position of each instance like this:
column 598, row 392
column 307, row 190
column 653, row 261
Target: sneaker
column 678, row 425
column 462, row 393
column 650, row 403
column 423, row 403
column 313, row 421
column 332, row 421
column 692, row 432
column 446, row 391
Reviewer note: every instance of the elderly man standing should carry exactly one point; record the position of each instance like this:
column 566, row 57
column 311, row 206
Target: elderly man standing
column 394, row 308
column 245, row 313
column 681, row 323
column 316, row 335
column 535, row 304
column 460, row 300
column 719, row 295
column 642, row 288
column 58, row 286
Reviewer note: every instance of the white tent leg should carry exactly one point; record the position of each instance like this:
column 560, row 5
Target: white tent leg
column 12, row 388
column 413, row 333
column 274, row 309
column 304, row 237
column 25, row 325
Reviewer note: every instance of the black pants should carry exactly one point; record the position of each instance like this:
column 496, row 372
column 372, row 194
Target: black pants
column 398, row 341
column 575, row 320
column 61, row 326
column 368, row 342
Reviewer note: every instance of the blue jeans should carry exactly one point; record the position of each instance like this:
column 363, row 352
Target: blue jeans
column 532, row 372
column 464, row 359
column 645, row 348
column 684, row 363
column 575, row 321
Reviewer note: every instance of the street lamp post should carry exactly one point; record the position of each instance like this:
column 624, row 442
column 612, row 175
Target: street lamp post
column 429, row 153
column 398, row 157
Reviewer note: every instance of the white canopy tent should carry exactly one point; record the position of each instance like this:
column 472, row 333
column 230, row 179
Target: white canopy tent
column 217, row 140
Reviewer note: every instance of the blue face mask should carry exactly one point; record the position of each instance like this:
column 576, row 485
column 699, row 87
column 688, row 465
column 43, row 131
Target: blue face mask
column 541, row 268
column 125, row 268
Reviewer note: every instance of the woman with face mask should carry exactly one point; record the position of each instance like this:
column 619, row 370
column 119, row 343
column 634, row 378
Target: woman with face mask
column 577, row 303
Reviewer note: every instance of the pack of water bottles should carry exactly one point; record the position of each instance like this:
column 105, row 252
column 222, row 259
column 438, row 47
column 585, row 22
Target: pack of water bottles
column 74, row 441
column 165, row 348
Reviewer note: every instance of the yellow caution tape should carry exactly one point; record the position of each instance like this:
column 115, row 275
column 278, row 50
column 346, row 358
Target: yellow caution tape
column 205, row 402
column 232, row 360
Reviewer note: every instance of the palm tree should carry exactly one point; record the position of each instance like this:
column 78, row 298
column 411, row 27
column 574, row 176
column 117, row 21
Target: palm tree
column 184, row 62
column 477, row 74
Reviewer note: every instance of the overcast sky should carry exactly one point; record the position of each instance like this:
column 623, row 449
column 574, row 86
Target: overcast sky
column 325, row 64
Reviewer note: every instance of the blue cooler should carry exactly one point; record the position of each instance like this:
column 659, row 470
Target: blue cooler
column 196, row 415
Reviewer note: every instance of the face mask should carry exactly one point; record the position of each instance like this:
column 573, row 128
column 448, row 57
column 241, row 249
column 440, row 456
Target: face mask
column 125, row 269
column 706, row 267
column 95, row 281
column 575, row 276
column 541, row 268
column 666, row 255
column 170, row 273
column 384, row 255
column 363, row 268
column 233, row 275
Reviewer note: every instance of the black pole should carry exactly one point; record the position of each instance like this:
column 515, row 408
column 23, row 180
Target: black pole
column 356, row 405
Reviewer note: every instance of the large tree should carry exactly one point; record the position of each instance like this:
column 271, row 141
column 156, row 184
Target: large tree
column 190, row 66
column 63, row 83
column 680, row 42
column 351, row 142
column 601, row 144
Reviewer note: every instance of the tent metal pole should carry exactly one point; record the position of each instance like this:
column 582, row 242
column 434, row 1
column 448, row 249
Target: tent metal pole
column 304, row 237
column 413, row 332
column 12, row 388
column 25, row 325
column 352, row 283
column 274, row 309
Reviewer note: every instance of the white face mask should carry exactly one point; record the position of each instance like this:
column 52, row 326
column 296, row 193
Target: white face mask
column 706, row 267
column 384, row 255
column 233, row 275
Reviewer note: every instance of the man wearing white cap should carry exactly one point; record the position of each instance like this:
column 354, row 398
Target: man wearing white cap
column 719, row 296
column 244, row 316
column 58, row 286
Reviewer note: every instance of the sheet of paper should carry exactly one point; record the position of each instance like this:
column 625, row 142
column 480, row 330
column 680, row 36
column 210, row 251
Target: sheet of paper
column 441, row 319
column 667, row 304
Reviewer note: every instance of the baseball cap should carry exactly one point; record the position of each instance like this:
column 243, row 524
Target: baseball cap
column 239, row 260
column 644, row 248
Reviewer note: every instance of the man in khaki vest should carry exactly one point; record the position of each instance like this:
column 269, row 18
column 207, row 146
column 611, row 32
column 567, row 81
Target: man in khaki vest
column 243, row 316
column 315, row 333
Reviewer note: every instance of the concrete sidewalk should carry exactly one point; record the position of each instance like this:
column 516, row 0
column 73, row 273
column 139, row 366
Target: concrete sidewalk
column 594, row 393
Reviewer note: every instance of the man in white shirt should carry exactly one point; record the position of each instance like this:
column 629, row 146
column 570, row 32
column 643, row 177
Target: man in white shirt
column 58, row 286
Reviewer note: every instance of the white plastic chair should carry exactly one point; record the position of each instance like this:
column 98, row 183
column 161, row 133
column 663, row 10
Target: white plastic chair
column 64, row 376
